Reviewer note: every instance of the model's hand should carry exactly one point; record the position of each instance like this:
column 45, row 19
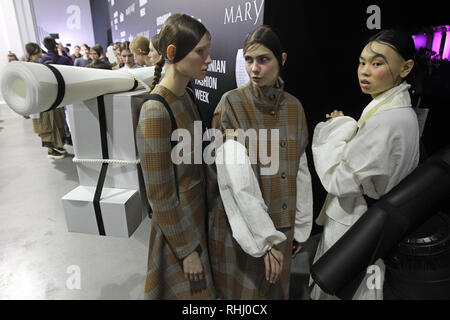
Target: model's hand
column 296, row 248
column 192, row 267
column 273, row 261
column 335, row 114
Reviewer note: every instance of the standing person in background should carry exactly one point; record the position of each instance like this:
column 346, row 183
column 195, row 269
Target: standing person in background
column 110, row 54
column 178, row 262
column 12, row 57
column 52, row 57
column 119, row 63
column 268, row 215
column 359, row 161
column 140, row 48
column 99, row 61
column 85, row 58
column 48, row 125
column 76, row 53
column 128, row 57
column 153, row 53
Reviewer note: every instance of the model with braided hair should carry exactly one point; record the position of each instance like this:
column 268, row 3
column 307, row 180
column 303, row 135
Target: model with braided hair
column 178, row 264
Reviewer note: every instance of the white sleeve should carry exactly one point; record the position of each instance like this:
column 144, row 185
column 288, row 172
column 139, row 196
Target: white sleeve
column 244, row 205
column 351, row 162
column 304, row 212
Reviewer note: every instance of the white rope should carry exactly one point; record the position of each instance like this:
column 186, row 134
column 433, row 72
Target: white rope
column 110, row 161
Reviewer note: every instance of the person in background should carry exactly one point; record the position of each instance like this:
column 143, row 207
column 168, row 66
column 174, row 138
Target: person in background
column 99, row 60
column 119, row 63
column 48, row 125
column 153, row 53
column 360, row 161
column 52, row 56
column 12, row 57
column 128, row 57
column 76, row 53
column 110, row 55
column 85, row 59
column 140, row 48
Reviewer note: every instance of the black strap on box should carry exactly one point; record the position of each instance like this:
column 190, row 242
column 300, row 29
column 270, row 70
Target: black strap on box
column 61, row 87
column 105, row 154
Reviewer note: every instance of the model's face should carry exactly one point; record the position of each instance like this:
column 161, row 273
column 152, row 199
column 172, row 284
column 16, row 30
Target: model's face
column 127, row 58
column 153, row 54
column 261, row 65
column 380, row 69
column 195, row 64
column 94, row 56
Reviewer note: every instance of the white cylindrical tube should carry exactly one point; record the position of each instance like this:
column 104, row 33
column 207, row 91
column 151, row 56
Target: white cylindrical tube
column 30, row 88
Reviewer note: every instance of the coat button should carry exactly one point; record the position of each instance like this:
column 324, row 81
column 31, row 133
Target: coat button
column 283, row 175
column 283, row 144
column 284, row 206
column 272, row 112
column 272, row 97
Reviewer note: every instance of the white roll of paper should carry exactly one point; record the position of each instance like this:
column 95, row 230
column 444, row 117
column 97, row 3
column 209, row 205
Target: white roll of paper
column 30, row 88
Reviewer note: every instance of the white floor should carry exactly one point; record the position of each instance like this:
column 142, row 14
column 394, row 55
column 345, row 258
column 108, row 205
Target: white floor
column 39, row 258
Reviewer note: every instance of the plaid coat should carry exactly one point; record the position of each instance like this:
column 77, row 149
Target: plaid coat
column 178, row 224
column 236, row 274
column 50, row 127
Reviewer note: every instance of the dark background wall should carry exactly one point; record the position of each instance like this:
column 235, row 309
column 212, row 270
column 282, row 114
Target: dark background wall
column 324, row 40
column 101, row 22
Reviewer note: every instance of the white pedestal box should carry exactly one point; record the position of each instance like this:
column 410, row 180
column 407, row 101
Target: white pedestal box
column 122, row 116
column 120, row 209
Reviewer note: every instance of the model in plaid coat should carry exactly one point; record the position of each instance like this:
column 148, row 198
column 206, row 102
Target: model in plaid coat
column 252, row 229
column 178, row 262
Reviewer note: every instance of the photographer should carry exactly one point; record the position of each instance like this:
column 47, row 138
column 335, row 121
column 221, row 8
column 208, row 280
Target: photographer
column 52, row 56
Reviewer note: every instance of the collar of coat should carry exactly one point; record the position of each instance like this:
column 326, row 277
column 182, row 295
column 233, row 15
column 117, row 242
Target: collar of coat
column 397, row 97
column 268, row 99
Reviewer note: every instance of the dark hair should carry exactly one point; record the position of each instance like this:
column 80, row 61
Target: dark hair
column 86, row 46
column 154, row 41
column 13, row 56
column 398, row 40
column 125, row 46
column 182, row 31
column 98, row 48
column 266, row 36
column 49, row 43
column 31, row 49
column 402, row 43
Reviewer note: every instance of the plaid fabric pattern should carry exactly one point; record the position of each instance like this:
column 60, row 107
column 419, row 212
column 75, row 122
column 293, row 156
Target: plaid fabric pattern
column 50, row 127
column 178, row 225
column 236, row 274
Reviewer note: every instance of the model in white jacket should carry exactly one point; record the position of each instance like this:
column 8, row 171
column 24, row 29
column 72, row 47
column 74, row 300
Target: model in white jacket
column 366, row 157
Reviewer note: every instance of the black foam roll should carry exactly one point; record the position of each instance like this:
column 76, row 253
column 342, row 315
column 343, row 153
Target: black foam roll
column 341, row 269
